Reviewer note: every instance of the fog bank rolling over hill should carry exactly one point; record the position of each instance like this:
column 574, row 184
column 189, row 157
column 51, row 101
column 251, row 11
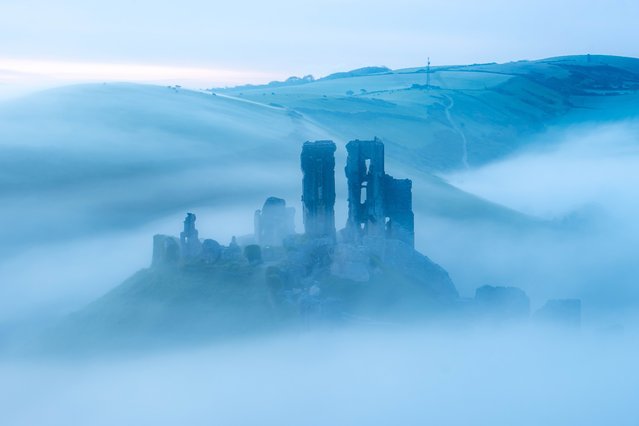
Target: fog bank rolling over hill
column 90, row 172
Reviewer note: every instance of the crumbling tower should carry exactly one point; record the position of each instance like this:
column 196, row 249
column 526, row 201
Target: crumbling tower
column 378, row 204
column 318, row 188
column 189, row 241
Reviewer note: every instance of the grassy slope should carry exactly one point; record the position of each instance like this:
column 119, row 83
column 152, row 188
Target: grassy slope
column 210, row 301
column 473, row 114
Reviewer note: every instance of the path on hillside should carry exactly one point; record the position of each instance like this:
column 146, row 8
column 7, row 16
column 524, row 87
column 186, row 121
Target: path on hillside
column 322, row 131
column 249, row 101
column 457, row 130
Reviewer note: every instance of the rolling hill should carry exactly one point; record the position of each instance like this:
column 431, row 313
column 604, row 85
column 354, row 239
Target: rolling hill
column 469, row 115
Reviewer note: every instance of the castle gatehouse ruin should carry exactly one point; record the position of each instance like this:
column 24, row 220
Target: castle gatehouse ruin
column 378, row 204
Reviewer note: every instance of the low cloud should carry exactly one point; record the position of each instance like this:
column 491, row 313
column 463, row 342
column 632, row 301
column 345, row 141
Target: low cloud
column 355, row 377
column 582, row 182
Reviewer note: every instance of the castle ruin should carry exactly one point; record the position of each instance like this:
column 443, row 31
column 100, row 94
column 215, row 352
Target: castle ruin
column 379, row 209
column 370, row 264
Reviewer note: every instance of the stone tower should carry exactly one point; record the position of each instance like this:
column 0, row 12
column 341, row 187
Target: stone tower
column 318, row 188
column 189, row 241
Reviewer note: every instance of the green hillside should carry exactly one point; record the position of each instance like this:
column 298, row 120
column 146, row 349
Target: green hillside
column 469, row 115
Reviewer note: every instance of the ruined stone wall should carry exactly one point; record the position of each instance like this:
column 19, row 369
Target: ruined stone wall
column 365, row 174
column 398, row 209
column 378, row 204
column 166, row 250
column 274, row 222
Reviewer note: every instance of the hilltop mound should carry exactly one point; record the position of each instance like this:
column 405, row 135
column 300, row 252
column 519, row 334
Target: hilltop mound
column 273, row 277
column 207, row 301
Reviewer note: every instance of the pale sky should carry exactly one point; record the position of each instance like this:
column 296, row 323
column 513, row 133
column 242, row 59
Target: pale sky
column 205, row 43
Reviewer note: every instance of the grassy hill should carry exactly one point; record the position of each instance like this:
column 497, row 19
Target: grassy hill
column 469, row 115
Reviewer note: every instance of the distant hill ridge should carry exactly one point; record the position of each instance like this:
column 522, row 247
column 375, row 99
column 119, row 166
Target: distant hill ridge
column 628, row 63
column 294, row 80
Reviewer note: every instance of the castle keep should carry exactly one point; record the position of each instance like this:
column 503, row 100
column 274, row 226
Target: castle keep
column 318, row 188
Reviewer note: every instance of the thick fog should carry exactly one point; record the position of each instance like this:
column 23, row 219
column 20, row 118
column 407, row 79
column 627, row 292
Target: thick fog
column 581, row 182
column 356, row 377
column 75, row 232
column 84, row 192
